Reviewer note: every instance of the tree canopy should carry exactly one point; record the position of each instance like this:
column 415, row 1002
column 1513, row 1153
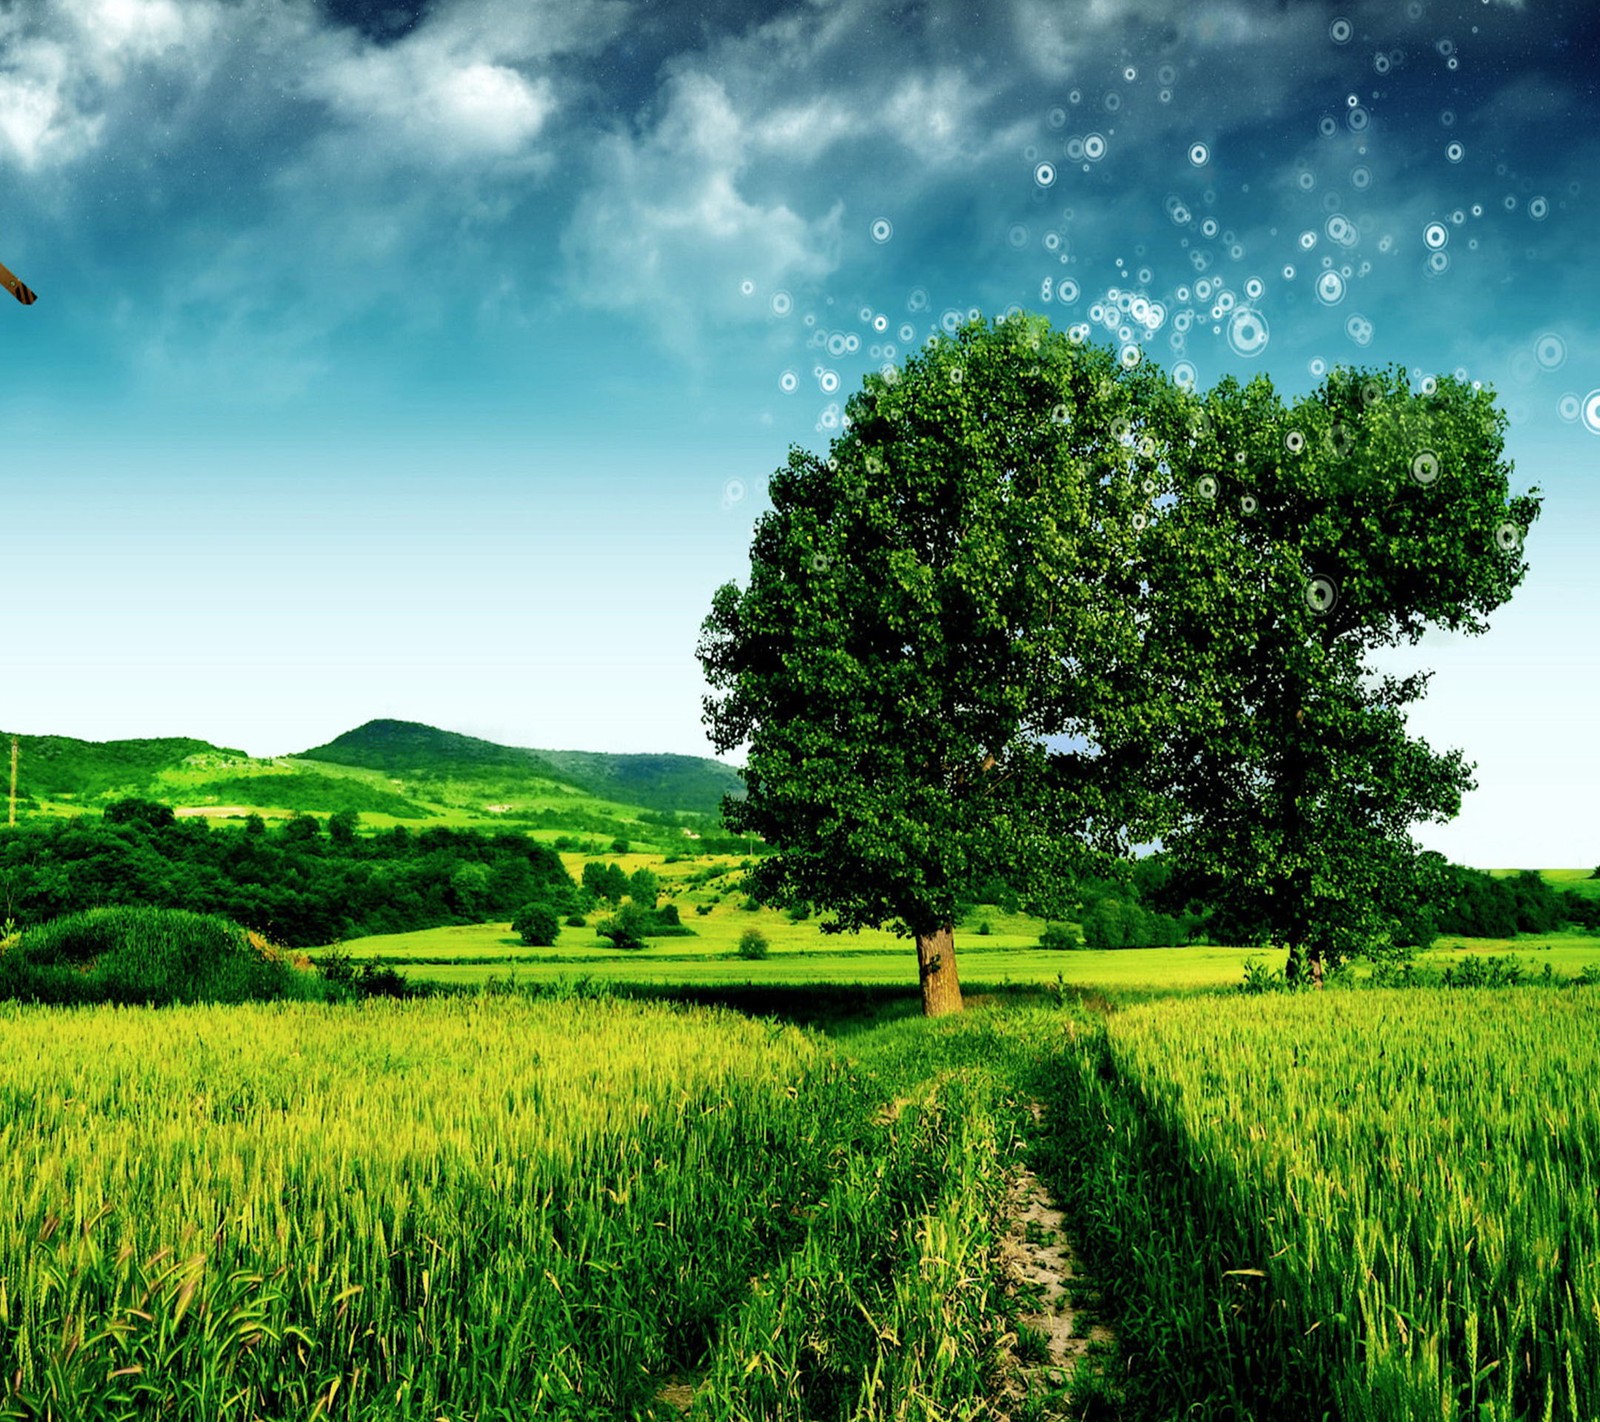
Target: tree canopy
column 945, row 590
column 1299, row 541
column 1038, row 605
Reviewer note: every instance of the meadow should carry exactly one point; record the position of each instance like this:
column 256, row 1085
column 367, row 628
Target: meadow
column 1384, row 1201
column 589, row 1189
column 487, row 1208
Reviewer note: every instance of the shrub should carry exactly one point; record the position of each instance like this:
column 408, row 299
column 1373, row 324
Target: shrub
column 753, row 944
column 148, row 955
column 703, row 909
column 537, row 925
column 577, row 920
column 625, row 928
column 984, row 930
column 1060, row 936
column 750, row 905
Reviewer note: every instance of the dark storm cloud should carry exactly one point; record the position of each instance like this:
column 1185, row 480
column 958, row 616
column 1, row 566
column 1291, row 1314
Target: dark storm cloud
column 381, row 21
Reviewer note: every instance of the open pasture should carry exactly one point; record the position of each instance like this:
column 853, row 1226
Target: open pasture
column 801, row 954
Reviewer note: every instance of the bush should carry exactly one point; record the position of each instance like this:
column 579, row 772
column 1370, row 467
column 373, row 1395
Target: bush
column 577, row 920
column 753, row 944
column 625, row 928
column 703, row 909
column 537, row 925
column 1060, row 936
column 148, row 955
column 984, row 930
column 751, row 905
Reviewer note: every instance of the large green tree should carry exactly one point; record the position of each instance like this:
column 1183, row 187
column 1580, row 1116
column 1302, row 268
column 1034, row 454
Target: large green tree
column 951, row 585
column 1300, row 541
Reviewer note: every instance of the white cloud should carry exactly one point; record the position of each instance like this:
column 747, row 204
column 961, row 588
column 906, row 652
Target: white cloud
column 114, row 32
column 667, row 230
column 419, row 99
column 39, row 122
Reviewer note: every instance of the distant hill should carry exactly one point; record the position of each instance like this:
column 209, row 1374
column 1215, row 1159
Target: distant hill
column 658, row 782
column 409, row 748
column 654, row 782
column 61, row 766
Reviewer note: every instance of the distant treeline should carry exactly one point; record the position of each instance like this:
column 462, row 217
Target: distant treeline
column 301, row 885
column 1155, row 907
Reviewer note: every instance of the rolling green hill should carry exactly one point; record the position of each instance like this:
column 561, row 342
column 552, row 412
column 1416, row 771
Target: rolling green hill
column 57, row 767
column 409, row 748
column 655, row 782
column 389, row 772
column 658, row 782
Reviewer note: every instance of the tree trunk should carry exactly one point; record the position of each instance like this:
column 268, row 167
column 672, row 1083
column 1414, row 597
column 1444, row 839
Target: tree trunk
column 936, row 965
column 1307, row 960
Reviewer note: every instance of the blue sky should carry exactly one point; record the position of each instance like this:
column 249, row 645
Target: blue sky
column 429, row 359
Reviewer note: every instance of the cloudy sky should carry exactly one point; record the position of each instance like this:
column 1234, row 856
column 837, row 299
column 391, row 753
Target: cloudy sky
column 427, row 358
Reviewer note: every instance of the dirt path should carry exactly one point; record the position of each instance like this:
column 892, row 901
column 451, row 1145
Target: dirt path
column 1058, row 1299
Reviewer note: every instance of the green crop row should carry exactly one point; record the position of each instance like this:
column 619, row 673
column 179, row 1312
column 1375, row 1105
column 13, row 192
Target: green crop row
column 492, row 1208
column 1377, row 1205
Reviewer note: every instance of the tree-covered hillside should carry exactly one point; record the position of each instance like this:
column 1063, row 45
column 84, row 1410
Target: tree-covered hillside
column 56, row 766
column 656, row 782
column 408, row 747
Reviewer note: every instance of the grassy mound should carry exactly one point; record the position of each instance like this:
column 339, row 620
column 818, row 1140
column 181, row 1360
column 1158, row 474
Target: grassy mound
column 147, row 955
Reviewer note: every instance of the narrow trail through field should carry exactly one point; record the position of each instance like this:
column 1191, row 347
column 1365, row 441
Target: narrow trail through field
column 1039, row 1255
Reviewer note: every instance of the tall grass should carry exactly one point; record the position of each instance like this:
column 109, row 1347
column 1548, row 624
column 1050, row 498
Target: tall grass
column 486, row 1209
column 493, row 1208
column 1372, row 1205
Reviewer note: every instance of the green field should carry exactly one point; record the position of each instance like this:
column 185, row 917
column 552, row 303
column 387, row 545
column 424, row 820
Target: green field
column 493, row 1208
column 593, row 1191
column 1386, row 1200
column 802, row 954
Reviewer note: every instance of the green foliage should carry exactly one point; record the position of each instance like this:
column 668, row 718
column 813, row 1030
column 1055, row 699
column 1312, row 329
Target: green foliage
column 1300, row 540
column 343, row 826
column 576, row 920
column 292, row 887
column 1488, row 972
column 145, row 955
column 924, row 606
column 301, row 829
column 1119, row 923
column 537, row 925
column 140, row 812
column 644, row 887
column 626, row 928
column 1061, row 936
column 753, row 944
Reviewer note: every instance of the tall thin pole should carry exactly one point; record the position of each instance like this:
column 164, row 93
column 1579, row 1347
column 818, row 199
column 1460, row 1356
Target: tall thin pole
column 13, row 818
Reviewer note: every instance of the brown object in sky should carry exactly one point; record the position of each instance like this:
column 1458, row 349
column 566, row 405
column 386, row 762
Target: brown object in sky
column 23, row 294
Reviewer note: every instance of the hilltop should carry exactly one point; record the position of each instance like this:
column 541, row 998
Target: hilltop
column 387, row 771
column 694, row 784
